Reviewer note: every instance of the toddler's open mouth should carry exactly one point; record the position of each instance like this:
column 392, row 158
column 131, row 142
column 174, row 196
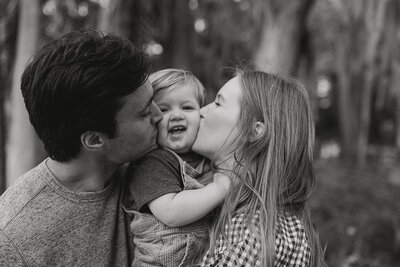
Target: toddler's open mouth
column 176, row 130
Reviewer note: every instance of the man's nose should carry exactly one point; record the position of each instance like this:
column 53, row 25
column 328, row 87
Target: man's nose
column 156, row 114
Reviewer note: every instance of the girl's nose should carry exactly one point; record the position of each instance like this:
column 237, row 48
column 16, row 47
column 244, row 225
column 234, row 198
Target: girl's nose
column 203, row 111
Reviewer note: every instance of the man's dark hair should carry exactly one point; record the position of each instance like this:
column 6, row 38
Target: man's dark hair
column 75, row 84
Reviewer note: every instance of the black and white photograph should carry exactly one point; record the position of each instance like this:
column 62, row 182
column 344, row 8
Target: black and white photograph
column 175, row 133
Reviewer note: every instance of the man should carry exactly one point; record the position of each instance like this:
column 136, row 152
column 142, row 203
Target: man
column 90, row 103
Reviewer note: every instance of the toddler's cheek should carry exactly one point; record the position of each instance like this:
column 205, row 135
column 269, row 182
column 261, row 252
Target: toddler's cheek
column 161, row 139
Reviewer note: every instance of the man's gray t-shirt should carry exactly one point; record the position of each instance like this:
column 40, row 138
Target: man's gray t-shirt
column 43, row 223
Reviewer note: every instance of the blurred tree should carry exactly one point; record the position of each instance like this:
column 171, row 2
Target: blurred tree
column 393, row 34
column 225, row 37
column 357, row 55
column 129, row 18
column 24, row 150
column 169, row 24
column 218, row 39
column 384, row 131
column 8, row 30
column 373, row 16
column 114, row 17
column 395, row 85
column 178, row 45
column 62, row 16
column 283, row 26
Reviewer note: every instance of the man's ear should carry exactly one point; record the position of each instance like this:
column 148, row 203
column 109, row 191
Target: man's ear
column 92, row 141
column 258, row 130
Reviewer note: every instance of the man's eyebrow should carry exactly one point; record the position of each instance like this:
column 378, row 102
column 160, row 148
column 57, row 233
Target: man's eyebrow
column 148, row 104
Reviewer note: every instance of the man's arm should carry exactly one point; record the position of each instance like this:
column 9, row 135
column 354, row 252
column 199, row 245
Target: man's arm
column 185, row 207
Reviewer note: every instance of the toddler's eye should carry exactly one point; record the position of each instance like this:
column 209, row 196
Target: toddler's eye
column 147, row 113
column 163, row 110
column 188, row 108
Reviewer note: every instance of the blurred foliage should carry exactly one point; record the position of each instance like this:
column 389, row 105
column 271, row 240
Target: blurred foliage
column 357, row 211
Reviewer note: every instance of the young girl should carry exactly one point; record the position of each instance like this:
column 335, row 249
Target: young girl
column 260, row 128
column 168, row 203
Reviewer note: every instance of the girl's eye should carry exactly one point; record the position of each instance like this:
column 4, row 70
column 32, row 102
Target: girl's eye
column 216, row 103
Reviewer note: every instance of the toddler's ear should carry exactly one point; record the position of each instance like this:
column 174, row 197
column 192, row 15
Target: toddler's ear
column 258, row 130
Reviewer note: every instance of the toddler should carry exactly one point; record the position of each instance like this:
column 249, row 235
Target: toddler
column 171, row 189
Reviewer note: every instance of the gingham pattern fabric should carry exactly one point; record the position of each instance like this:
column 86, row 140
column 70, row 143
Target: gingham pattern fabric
column 242, row 247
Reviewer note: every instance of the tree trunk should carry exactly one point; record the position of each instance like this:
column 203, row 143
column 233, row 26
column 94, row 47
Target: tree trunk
column 391, row 64
column 181, row 35
column 2, row 141
column 356, row 67
column 374, row 17
column 8, row 22
column 2, row 145
column 346, row 107
column 24, row 149
column 111, row 18
column 395, row 84
column 176, row 35
column 283, row 26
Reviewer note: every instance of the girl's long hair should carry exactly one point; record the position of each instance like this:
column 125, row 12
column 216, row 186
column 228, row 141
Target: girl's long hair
column 274, row 172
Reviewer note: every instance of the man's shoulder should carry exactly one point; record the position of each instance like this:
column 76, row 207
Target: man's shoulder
column 21, row 192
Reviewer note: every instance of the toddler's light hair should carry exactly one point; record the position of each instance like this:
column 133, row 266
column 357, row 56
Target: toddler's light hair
column 169, row 79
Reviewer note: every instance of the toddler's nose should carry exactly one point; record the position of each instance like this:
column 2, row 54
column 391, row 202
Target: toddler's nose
column 176, row 115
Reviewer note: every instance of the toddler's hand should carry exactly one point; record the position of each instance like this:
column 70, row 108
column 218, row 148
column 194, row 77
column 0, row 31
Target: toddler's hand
column 223, row 182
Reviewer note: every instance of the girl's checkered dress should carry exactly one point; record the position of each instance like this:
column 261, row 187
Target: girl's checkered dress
column 242, row 247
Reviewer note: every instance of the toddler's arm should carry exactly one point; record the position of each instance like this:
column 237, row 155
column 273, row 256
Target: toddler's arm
column 185, row 207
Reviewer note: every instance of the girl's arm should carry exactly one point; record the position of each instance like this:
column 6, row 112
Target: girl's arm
column 185, row 207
